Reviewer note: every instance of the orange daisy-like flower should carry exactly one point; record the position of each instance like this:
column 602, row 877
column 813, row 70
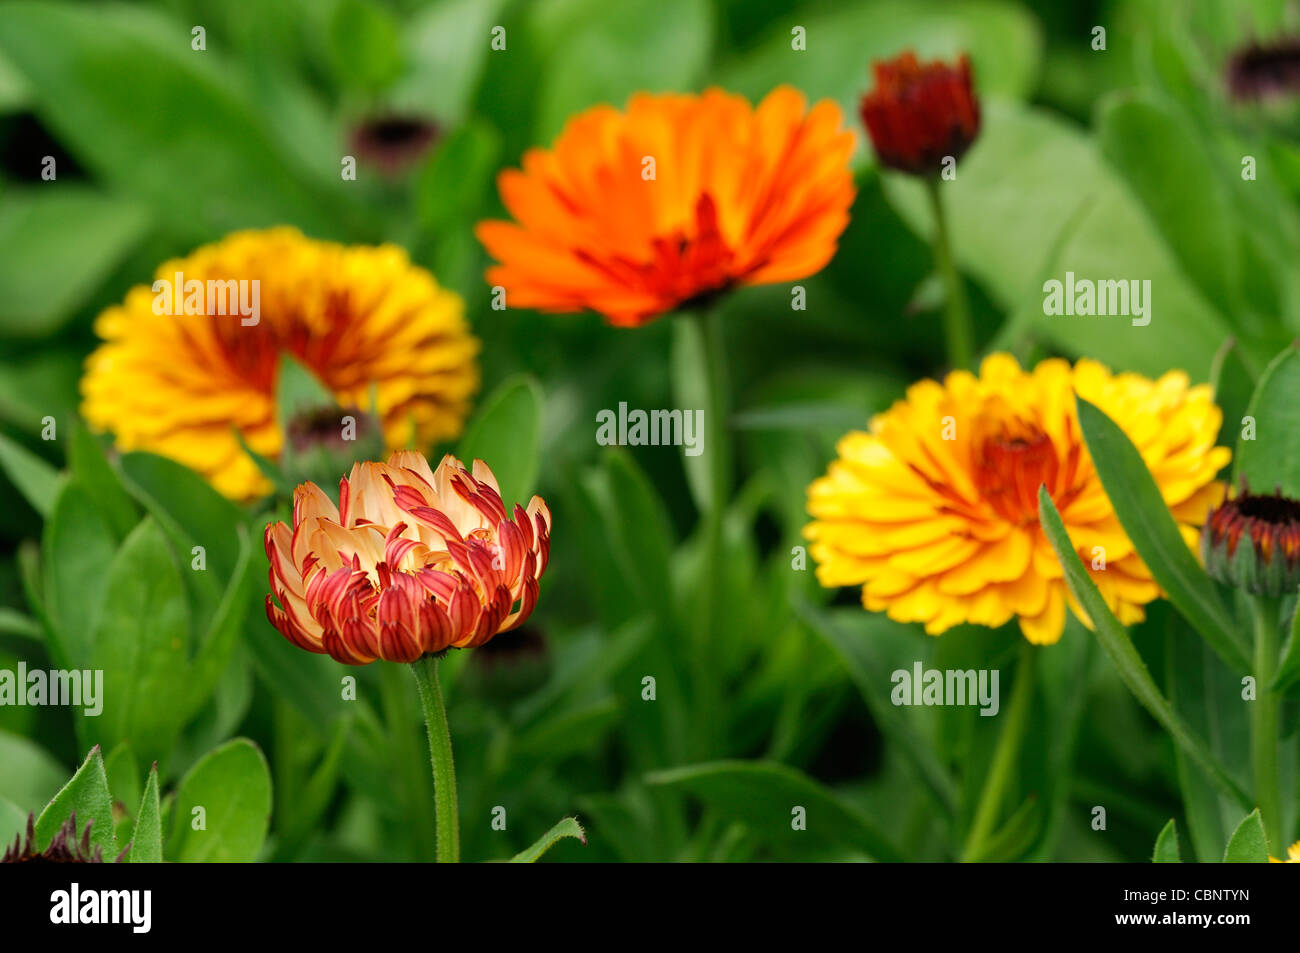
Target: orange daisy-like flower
column 935, row 514
column 634, row 214
column 410, row 562
column 178, row 381
column 920, row 113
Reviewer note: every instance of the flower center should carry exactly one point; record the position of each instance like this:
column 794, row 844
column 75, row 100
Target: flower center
column 1011, row 459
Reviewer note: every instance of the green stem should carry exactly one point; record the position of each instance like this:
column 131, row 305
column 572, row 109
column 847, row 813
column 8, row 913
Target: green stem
column 957, row 330
column 444, row 769
column 1264, row 721
column 1004, row 756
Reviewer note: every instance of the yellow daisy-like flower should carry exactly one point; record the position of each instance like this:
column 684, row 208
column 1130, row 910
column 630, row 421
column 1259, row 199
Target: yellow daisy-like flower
column 935, row 511
column 1292, row 855
column 355, row 316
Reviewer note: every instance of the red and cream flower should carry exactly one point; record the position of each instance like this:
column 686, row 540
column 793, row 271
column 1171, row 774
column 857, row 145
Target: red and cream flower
column 410, row 562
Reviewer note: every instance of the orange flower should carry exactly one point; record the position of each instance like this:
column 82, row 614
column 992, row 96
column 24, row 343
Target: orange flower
column 920, row 113
column 410, row 562
column 634, row 214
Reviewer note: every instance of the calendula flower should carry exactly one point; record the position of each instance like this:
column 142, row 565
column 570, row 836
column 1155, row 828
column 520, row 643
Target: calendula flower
column 637, row 213
column 410, row 561
column 934, row 512
column 1292, row 855
column 186, row 362
column 1253, row 542
column 64, row 846
column 920, row 113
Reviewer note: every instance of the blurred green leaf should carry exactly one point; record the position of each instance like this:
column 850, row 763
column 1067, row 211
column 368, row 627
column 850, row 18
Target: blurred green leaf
column 77, row 547
column 232, row 787
column 31, row 775
column 765, row 794
column 36, row 480
column 1166, row 850
column 506, row 435
column 567, row 827
column 146, row 840
column 1247, row 845
column 1271, row 459
column 447, row 45
column 57, row 245
column 91, row 469
column 87, row 796
column 365, row 44
column 1146, row 518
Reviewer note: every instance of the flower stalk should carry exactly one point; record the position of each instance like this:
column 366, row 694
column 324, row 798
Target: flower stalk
column 1264, row 720
column 958, row 333
column 446, row 809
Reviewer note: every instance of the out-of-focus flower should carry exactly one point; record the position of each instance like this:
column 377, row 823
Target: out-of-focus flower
column 355, row 316
column 935, row 511
column 393, row 143
column 1292, row 855
column 634, row 214
column 64, row 847
column 1253, row 542
column 1260, row 71
column 410, row 562
column 918, row 113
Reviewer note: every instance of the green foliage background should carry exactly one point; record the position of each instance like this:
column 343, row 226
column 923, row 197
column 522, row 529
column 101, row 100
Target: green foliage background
column 1118, row 163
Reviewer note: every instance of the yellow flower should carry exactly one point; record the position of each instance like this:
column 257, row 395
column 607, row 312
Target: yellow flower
column 175, row 383
column 1292, row 855
column 935, row 513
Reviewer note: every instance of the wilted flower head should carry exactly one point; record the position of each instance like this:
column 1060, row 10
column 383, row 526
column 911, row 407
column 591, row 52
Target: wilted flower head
column 1253, row 542
column 410, row 562
column 934, row 512
column 1261, row 71
column 179, row 384
column 919, row 113
column 634, row 214
column 64, row 847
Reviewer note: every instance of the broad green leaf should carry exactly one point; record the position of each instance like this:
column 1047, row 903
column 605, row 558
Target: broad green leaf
column 447, row 45
column 641, row 534
column 92, row 470
column 142, row 645
column 1247, row 844
column 567, row 827
column 856, row 656
column 120, row 87
column 458, row 177
column 57, row 246
column 506, row 435
column 35, row 479
column 1271, row 459
column 31, row 775
column 1233, row 388
column 1146, row 519
column 765, row 795
column 87, row 796
column 1114, row 638
column 77, row 548
column 365, row 44
column 1166, row 850
column 13, row 823
column 229, row 791
column 146, row 841
column 39, row 384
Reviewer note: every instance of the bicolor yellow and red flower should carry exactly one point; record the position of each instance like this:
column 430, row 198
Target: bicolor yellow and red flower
column 918, row 113
column 411, row 561
column 362, row 319
column 934, row 512
column 637, row 213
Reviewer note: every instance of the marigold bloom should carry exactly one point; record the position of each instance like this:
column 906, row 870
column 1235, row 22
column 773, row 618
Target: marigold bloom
column 410, row 562
column 738, row 196
column 1253, row 542
column 935, row 512
column 918, row 113
column 174, row 384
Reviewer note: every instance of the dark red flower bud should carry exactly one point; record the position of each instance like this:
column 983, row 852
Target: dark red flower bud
column 1253, row 542
column 919, row 113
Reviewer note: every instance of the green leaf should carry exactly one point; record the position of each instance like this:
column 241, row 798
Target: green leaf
column 447, row 46
column 146, row 842
column 31, row 774
column 1288, row 673
column 1149, row 524
column 13, row 622
column 1233, row 388
column 689, row 371
column 506, row 435
column 1166, row 851
column 1247, row 844
column 365, row 44
column 77, row 546
column 177, row 130
column 765, row 795
column 297, row 391
column 232, row 786
column 1114, row 638
column 87, row 796
column 567, row 827
column 640, row 533
column 142, row 646
column 90, row 468
column 35, row 479
column 1272, row 459
column 57, row 246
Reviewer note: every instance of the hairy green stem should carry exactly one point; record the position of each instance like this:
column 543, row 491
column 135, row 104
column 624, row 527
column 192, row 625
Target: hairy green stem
column 444, row 769
column 1264, row 721
column 958, row 332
